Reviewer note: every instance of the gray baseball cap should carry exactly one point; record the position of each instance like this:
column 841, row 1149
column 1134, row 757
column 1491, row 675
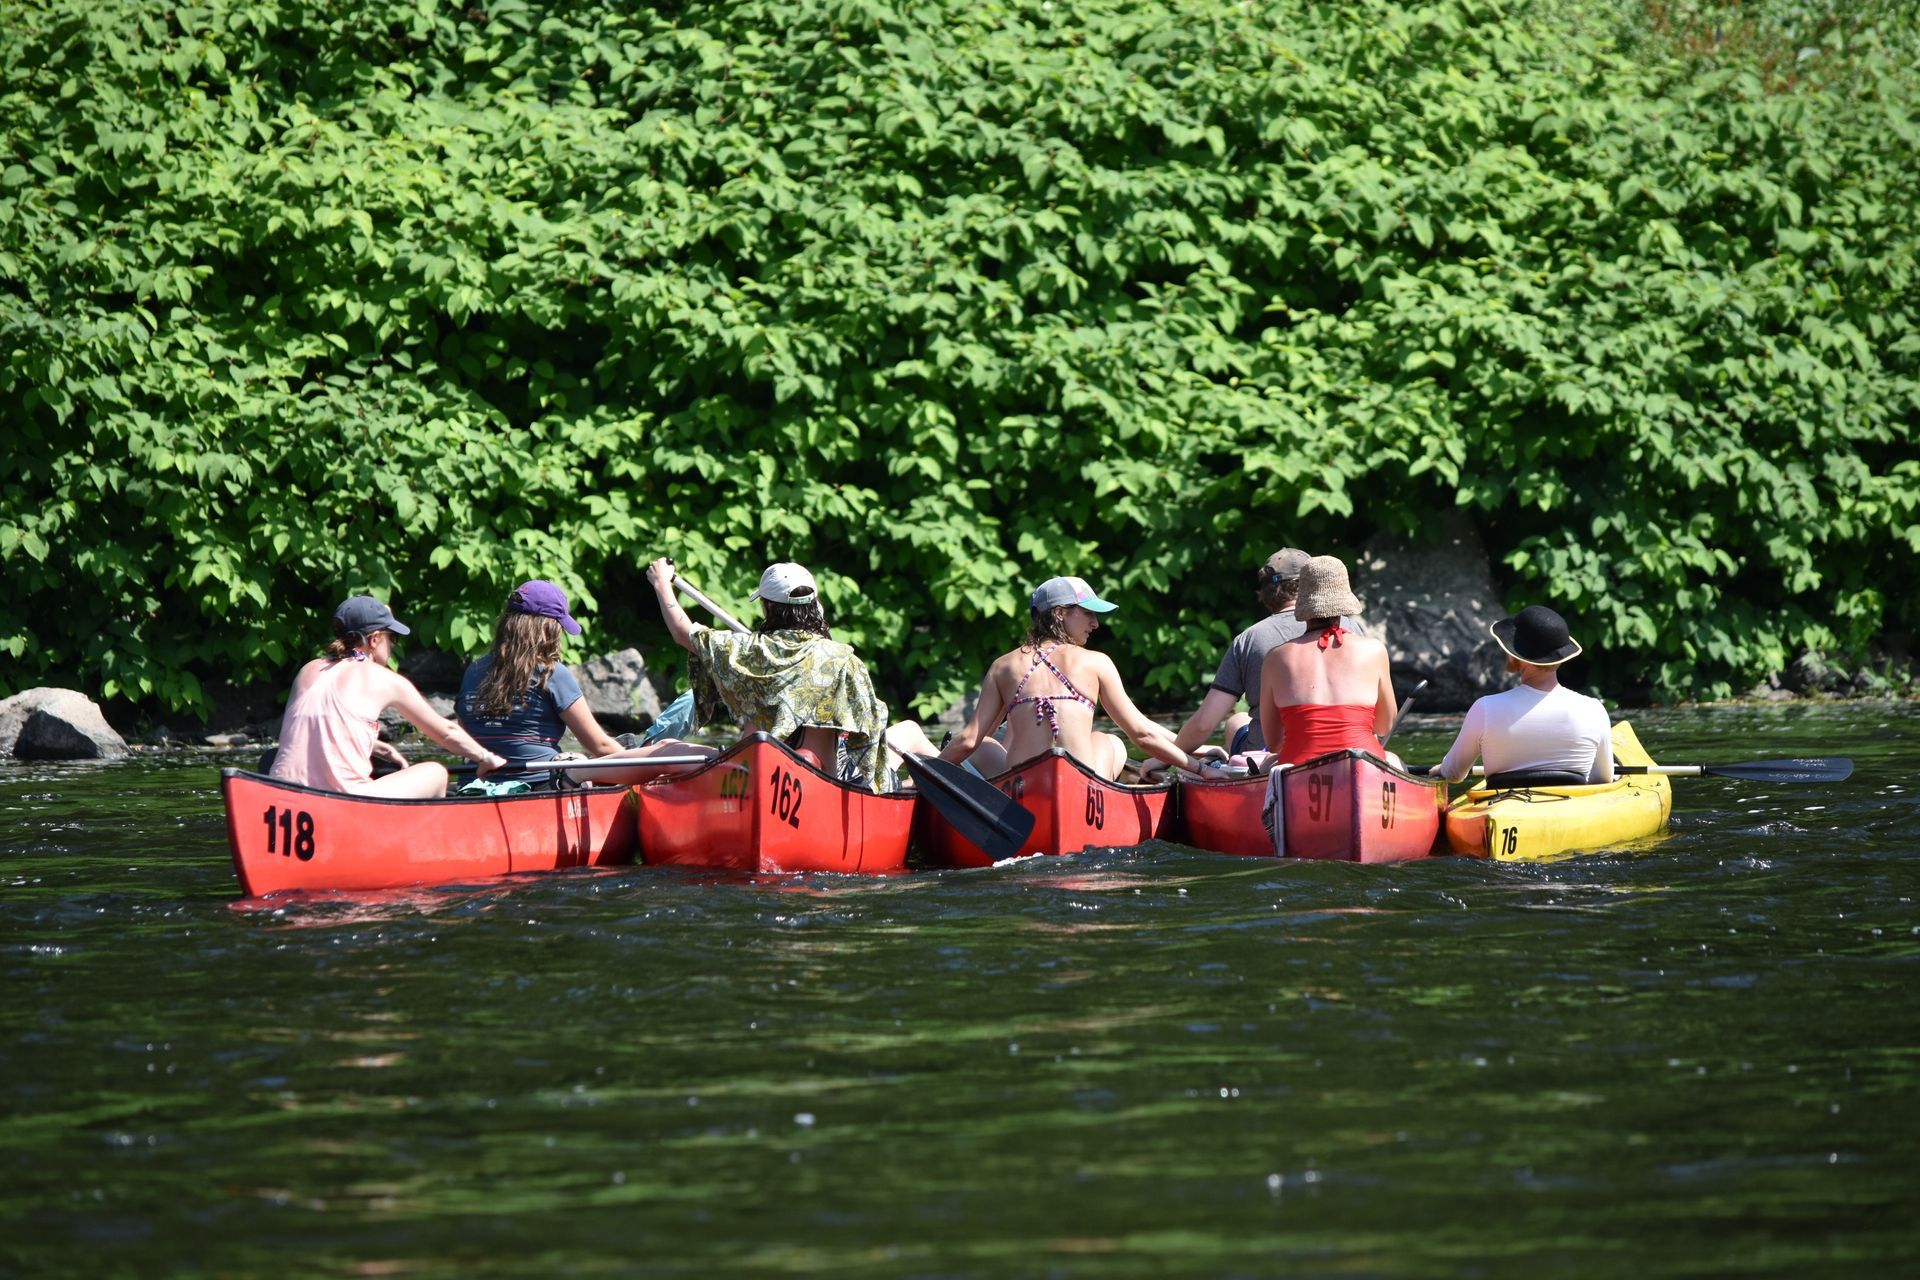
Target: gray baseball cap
column 1286, row 563
column 1055, row 591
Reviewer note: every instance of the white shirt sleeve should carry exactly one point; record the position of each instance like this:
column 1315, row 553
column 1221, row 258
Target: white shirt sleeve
column 1466, row 747
column 1602, row 770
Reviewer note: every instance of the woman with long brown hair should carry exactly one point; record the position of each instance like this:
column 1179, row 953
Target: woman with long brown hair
column 519, row 699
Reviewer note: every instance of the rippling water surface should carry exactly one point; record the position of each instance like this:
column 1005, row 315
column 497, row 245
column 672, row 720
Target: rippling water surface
column 1699, row 1055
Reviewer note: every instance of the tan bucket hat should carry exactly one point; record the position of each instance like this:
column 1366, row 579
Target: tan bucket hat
column 1324, row 592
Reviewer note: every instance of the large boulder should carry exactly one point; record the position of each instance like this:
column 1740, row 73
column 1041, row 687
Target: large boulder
column 620, row 690
column 434, row 670
column 1432, row 604
column 57, row 724
column 243, row 708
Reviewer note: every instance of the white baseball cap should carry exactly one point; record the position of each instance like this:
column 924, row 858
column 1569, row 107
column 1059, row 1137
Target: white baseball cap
column 787, row 583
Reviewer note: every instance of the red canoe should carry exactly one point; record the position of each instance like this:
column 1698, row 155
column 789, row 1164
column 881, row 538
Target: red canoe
column 1346, row 805
column 761, row 807
column 291, row 837
column 1073, row 808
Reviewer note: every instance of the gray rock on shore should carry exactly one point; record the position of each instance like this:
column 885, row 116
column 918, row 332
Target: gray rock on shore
column 57, row 724
column 1432, row 604
column 434, row 670
column 621, row 691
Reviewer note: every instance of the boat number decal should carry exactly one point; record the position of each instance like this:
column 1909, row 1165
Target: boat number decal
column 1509, row 840
column 1016, row 786
column 295, row 832
column 1389, row 797
column 1096, row 808
column 786, row 797
column 733, row 787
column 1319, row 797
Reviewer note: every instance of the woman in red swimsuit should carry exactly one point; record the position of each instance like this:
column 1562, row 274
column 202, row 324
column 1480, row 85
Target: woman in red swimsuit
column 1327, row 690
column 1048, row 689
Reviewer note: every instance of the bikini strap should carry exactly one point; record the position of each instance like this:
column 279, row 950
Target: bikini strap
column 1062, row 677
column 1331, row 633
column 1040, row 657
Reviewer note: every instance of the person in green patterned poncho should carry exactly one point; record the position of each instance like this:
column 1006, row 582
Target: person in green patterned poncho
column 789, row 678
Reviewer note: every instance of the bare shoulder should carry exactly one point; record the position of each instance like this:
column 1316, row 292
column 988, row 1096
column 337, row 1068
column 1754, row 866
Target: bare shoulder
column 1001, row 667
column 305, row 676
column 1007, row 661
column 388, row 683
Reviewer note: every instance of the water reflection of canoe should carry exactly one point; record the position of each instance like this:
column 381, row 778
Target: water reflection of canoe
column 760, row 807
column 1073, row 808
column 1345, row 805
column 285, row 836
column 1520, row 824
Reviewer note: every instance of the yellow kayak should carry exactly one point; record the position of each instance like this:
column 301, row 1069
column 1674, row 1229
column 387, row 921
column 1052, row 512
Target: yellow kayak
column 1531, row 823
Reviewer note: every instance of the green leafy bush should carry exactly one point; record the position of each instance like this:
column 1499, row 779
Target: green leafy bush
column 423, row 299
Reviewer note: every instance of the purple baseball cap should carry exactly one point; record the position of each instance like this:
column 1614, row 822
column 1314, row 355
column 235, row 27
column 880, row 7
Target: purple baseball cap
column 544, row 600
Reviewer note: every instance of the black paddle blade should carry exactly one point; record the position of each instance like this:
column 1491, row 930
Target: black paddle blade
column 984, row 815
column 1809, row 769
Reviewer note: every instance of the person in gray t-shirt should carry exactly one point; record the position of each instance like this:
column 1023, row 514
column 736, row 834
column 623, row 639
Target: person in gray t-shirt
column 1276, row 584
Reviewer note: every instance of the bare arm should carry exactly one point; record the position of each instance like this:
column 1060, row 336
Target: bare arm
column 1146, row 735
column 1215, row 707
column 987, row 715
column 407, row 700
column 679, row 625
column 1383, row 708
column 1271, row 727
column 580, row 719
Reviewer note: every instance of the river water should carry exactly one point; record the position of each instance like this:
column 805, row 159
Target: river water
column 1696, row 1056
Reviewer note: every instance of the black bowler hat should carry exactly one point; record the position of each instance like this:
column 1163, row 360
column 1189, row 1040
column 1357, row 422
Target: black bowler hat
column 1536, row 634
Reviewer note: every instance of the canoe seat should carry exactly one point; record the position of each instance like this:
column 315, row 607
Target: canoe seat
column 1543, row 778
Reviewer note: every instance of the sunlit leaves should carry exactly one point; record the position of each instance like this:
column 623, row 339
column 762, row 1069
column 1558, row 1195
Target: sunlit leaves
column 427, row 299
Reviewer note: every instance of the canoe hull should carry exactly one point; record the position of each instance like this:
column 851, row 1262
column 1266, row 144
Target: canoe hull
column 1346, row 806
column 291, row 837
column 1535, row 823
column 761, row 808
column 1073, row 809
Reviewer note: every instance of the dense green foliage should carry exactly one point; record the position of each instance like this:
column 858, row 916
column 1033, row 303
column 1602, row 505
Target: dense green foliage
column 423, row 298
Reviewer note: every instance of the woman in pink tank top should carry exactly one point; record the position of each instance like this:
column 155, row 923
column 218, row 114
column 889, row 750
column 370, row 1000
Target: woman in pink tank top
column 330, row 733
column 1327, row 690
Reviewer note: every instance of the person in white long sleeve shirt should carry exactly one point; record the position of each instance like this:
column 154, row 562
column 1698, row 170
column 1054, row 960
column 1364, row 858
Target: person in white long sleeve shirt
column 1540, row 728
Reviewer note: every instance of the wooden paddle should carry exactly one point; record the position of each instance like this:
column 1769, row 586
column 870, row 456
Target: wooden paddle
column 984, row 815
